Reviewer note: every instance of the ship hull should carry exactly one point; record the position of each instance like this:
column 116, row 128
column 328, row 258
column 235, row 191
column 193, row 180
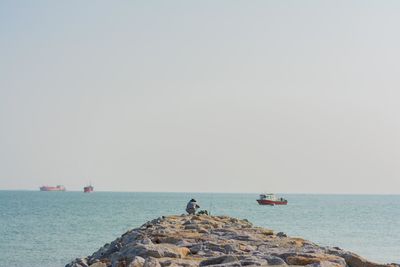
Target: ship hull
column 52, row 188
column 271, row 202
column 88, row 189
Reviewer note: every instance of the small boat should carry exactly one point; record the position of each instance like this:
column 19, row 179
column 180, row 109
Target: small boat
column 52, row 188
column 88, row 189
column 271, row 199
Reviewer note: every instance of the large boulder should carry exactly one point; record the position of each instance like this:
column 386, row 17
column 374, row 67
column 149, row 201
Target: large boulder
column 307, row 259
column 155, row 250
column 220, row 260
column 354, row 260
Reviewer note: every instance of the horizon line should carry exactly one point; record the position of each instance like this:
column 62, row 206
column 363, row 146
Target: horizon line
column 215, row 192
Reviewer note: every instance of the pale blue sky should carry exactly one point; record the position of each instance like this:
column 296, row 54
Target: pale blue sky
column 226, row 96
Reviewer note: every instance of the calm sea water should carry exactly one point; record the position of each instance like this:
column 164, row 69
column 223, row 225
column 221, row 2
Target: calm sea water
column 48, row 229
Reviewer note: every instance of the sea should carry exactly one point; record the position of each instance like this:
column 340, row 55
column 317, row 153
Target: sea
column 49, row 229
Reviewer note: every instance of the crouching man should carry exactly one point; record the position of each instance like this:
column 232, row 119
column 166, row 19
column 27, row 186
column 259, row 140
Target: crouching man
column 192, row 207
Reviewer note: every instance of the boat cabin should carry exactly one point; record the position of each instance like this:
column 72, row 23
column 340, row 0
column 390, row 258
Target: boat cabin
column 268, row 197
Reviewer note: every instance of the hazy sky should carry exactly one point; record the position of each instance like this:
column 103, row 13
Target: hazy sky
column 223, row 96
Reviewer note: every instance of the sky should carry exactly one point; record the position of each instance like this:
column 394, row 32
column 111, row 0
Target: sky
column 201, row 96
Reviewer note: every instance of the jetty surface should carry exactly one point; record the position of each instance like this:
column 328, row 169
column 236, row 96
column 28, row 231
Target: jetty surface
column 202, row 240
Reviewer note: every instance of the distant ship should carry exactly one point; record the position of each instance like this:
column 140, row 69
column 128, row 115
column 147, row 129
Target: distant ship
column 88, row 189
column 271, row 200
column 52, row 188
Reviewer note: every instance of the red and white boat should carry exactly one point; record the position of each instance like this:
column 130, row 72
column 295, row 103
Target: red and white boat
column 88, row 189
column 52, row 188
column 271, row 200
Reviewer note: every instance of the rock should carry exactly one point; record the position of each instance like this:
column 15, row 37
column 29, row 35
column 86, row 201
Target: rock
column 309, row 259
column 196, row 218
column 178, row 262
column 213, row 246
column 75, row 265
column 196, row 248
column 247, row 237
column 353, row 260
column 191, row 227
column 151, row 262
column 266, row 232
column 253, row 261
column 230, row 264
column 230, row 248
column 146, row 241
column 98, row 264
column 143, row 251
column 155, row 251
column 219, row 260
column 184, row 243
column 246, row 248
column 202, row 230
column 79, row 262
column 274, row 260
column 137, row 262
column 324, row 264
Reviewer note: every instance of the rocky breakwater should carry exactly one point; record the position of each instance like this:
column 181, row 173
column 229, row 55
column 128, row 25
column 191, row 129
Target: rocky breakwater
column 215, row 241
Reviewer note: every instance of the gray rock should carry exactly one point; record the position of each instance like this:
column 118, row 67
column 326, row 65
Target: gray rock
column 191, row 227
column 179, row 263
column 107, row 250
column 196, row 248
column 151, row 262
column 353, row 259
column 214, row 247
column 184, row 243
column 230, row 264
column 115, row 259
column 244, row 237
column 136, row 262
column 155, row 251
column 220, row 260
column 78, row 262
column 230, row 249
column 253, row 261
column 274, row 260
column 131, row 236
column 324, row 264
column 145, row 241
column 75, row 264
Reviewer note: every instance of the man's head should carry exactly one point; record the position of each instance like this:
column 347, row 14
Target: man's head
column 193, row 200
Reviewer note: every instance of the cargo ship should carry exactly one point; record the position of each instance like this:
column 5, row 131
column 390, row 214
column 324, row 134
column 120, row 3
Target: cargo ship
column 52, row 188
column 88, row 189
column 271, row 200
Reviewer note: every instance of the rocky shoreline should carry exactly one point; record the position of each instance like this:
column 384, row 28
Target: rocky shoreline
column 201, row 240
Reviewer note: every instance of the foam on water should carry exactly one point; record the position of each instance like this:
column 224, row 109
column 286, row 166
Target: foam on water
column 49, row 229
